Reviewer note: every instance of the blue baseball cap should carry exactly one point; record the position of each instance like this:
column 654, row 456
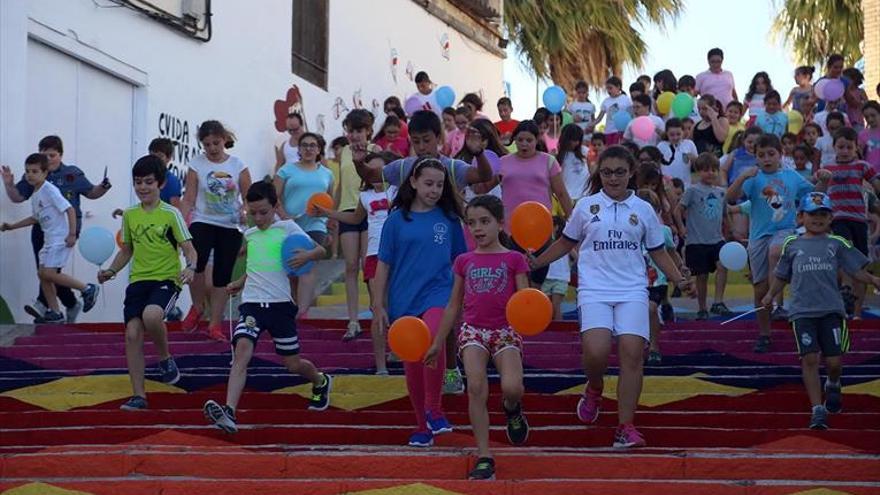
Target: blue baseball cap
column 815, row 201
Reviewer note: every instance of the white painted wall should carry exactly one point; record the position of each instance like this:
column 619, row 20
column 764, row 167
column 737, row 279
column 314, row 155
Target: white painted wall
column 178, row 82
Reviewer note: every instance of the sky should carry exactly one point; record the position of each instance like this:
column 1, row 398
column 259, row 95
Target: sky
column 742, row 32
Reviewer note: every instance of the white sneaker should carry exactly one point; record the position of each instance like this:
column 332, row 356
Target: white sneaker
column 73, row 313
column 354, row 329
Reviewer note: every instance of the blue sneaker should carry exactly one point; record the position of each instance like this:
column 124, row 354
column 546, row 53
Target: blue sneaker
column 168, row 370
column 89, row 296
column 438, row 423
column 136, row 403
column 421, row 439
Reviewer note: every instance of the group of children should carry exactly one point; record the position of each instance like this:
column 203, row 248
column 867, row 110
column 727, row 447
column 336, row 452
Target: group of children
column 428, row 231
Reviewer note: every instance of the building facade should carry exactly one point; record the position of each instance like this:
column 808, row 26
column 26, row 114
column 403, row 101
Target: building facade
column 107, row 76
column 871, row 50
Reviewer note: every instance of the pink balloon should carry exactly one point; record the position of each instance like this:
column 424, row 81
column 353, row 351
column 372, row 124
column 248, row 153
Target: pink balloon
column 643, row 128
column 833, row 90
column 412, row 105
column 819, row 88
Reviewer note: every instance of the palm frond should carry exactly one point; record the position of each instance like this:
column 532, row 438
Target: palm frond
column 818, row 28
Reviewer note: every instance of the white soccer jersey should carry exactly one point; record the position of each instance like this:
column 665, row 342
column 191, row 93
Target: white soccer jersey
column 611, row 266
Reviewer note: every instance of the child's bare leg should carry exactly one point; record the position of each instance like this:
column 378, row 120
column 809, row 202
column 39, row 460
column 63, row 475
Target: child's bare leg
column 654, row 318
column 134, row 355
column 48, row 288
column 557, row 305
column 763, row 317
column 810, row 375
column 244, row 349
column 378, row 339
column 62, row 279
column 720, row 282
column 475, row 359
column 154, row 324
column 702, row 290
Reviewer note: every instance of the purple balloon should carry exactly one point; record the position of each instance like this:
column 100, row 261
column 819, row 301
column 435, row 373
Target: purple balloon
column 412, row 105
column 833, row 90
column 819, row 88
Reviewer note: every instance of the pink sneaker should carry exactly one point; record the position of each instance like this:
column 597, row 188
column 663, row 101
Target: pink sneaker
column 588, row 406
column 628, row 436
column 217, row 333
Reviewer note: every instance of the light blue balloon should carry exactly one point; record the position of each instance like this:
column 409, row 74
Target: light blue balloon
column 96, row 245
column 445, row 96
column 294, row 243
column 621, row 119
column 554, row 99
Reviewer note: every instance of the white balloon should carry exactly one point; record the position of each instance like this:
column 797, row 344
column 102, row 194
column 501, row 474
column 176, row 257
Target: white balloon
column 734, row 256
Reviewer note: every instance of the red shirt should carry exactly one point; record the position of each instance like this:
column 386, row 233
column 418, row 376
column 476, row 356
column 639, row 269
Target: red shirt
column 845, row 189
column 506, row 126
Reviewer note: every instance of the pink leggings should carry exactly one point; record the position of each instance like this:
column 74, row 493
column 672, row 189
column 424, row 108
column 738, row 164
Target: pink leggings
column 424, row 384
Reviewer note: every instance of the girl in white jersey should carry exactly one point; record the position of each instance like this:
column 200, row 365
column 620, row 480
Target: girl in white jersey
column 611, row 225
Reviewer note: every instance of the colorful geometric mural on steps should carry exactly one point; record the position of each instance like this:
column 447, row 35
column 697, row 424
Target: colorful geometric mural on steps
column 661, row 390
column 81, row 391
column 352, row 392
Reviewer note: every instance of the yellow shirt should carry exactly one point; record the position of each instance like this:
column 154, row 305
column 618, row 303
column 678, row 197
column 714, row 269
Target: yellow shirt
column 731, row 131
column 348, row 179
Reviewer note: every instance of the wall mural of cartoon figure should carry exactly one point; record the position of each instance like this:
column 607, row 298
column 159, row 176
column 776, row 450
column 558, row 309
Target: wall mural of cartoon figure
column 356, row 99
column 410, row 70
column 377, row 107
column 395, row 61
column 339, row 108
column 320, row 126
column 445, row 45
column 292, row 103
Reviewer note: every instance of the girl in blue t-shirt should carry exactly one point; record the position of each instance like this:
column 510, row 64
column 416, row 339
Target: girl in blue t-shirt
column 420, row 239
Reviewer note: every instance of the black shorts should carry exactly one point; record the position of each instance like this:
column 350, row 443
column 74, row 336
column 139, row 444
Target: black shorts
column 352, row 227
column 701, row 259
column 854, row 232
column 278, row 318
column 827, row 334
column 319, row 237
column 224, row 242
column 139, row 295
column 657, row 294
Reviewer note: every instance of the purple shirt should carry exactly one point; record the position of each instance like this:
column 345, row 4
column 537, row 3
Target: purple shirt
column 489, row 282
column 869, row 140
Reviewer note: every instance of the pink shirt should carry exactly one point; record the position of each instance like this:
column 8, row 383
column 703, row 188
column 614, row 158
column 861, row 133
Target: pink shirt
column 454, row 142
column 526, row 180
column 489, row 281
column 718, row 85
column 869, row 140
column 399, row 145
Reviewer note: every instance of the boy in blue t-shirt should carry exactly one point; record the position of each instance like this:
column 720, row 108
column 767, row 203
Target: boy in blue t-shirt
column 774, row 194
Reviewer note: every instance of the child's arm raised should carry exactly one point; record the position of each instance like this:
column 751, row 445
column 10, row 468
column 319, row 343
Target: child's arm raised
column 450, row 315
column 735, row 191
column 483, row 171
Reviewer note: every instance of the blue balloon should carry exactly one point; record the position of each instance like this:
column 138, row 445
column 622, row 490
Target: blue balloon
column 96, row 245
column 554, row 99
column 621, row 119
column 445, row 97
column 294, row 243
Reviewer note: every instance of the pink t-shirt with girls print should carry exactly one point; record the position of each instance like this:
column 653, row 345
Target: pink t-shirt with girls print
column 489, row 282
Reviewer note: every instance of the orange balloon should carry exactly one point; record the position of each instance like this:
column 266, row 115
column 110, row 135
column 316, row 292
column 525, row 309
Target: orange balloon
column 531, row 225
column 529, row 311
column 409, row 338
column 119, row 238
column 320, row 199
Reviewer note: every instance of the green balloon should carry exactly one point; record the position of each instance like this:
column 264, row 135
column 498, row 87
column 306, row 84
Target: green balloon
column 682, row 105
column 567, row 118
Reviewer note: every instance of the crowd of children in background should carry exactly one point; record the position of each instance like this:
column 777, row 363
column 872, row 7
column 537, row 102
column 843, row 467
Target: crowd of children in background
column 634, row 214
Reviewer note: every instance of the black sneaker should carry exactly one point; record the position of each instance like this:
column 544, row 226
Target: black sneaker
column 168, row 370
column 720, row 309
column 833, row 398
column 223, row 417
column 818, row 420
column 702, row 315
column 53, row 317
column 762, row 345
column 654, row 358
column 483, row 470
column 321, row 395
column 517, row 426
column 135, row 403
column 676, row 292
column 89, row 296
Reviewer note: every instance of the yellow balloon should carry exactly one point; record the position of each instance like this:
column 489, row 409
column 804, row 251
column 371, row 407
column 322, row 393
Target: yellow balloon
column 795, row 121
column 664, row 102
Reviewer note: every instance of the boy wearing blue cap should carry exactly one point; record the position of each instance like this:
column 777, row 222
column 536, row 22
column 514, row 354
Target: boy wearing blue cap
column 809, row 262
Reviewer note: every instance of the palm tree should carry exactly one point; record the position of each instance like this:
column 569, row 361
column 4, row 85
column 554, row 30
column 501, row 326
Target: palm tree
column 818, row 28
column 569, row 40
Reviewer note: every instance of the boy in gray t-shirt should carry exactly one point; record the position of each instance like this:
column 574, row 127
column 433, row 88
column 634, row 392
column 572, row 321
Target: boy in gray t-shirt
column 810, row 263
column 706, row 212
